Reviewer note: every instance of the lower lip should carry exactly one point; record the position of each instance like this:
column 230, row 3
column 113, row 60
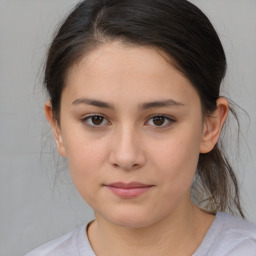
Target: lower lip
column 129, row 192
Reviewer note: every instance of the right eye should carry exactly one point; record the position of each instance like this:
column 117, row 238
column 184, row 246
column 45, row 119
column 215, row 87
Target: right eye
column 95, row 121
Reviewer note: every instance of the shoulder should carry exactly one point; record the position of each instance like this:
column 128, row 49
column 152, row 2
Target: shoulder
column 232, row 225
column 233, row 236
column 68, row 244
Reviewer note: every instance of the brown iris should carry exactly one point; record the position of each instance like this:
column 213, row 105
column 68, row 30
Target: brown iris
column 158, row 120
column 97, row 120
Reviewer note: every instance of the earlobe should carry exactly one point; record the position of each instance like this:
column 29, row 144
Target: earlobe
column 213, row 124
column 55, row 128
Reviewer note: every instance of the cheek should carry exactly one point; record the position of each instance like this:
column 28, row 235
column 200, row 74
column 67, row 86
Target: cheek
column 177, row 158
column 85, row 159
column 84, row 152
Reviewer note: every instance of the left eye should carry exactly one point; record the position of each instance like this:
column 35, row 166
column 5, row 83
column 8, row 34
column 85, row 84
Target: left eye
column 160, row 121
column 95, row 120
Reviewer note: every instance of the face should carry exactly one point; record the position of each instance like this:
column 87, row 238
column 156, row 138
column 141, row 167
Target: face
column 131, row 128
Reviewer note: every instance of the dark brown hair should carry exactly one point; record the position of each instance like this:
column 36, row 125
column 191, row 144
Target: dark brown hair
column 176, row 27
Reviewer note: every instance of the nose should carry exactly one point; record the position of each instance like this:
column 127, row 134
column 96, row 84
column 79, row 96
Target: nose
column 127, row 153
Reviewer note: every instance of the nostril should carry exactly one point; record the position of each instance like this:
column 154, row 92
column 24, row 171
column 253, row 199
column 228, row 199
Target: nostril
column 126, row 167
column 127, row 156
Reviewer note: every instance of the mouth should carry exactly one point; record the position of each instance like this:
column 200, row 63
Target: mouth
column 128, row 190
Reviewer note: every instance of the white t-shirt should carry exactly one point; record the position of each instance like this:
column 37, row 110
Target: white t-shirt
column 227, row 236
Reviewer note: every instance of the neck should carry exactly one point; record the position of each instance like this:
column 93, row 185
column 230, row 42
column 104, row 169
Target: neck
column 168, row 235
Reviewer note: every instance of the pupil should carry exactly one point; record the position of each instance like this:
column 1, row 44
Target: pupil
column 97, row 120
column 158, row 120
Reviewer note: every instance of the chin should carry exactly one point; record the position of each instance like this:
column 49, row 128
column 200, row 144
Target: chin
column 132, row 219
column 131, row 223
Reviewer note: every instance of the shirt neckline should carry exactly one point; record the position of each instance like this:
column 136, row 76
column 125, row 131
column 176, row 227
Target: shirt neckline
column 210, row 236
column 84, row 246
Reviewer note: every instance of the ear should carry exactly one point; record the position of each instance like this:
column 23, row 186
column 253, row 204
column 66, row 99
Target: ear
column 55, row 128
column 213, row 124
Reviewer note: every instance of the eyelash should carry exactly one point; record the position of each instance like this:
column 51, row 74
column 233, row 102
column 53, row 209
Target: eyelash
column 93, row 126
column 166, row 118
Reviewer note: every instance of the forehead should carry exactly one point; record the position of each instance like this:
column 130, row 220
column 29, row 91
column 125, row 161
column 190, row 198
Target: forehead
column 125, row 59
column 133, row 72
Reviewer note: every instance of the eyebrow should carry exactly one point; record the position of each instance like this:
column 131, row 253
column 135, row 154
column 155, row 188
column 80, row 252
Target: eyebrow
column 160, row 103
column 93, row 102
column 143, row 106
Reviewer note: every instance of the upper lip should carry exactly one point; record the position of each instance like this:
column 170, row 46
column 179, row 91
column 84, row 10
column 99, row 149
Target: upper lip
column 128, row 185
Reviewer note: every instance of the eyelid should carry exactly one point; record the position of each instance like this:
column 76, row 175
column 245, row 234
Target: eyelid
column 92, row 126
column 170, row 119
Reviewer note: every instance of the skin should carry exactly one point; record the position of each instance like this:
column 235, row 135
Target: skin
column 127, row 145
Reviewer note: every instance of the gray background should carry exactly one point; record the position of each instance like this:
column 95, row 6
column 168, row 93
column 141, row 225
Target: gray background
column 36, row 204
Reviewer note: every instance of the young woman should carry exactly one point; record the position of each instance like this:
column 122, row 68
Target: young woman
column 136, row 110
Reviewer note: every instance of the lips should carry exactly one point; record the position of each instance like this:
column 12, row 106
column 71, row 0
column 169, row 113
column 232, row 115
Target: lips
column 128, row 190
